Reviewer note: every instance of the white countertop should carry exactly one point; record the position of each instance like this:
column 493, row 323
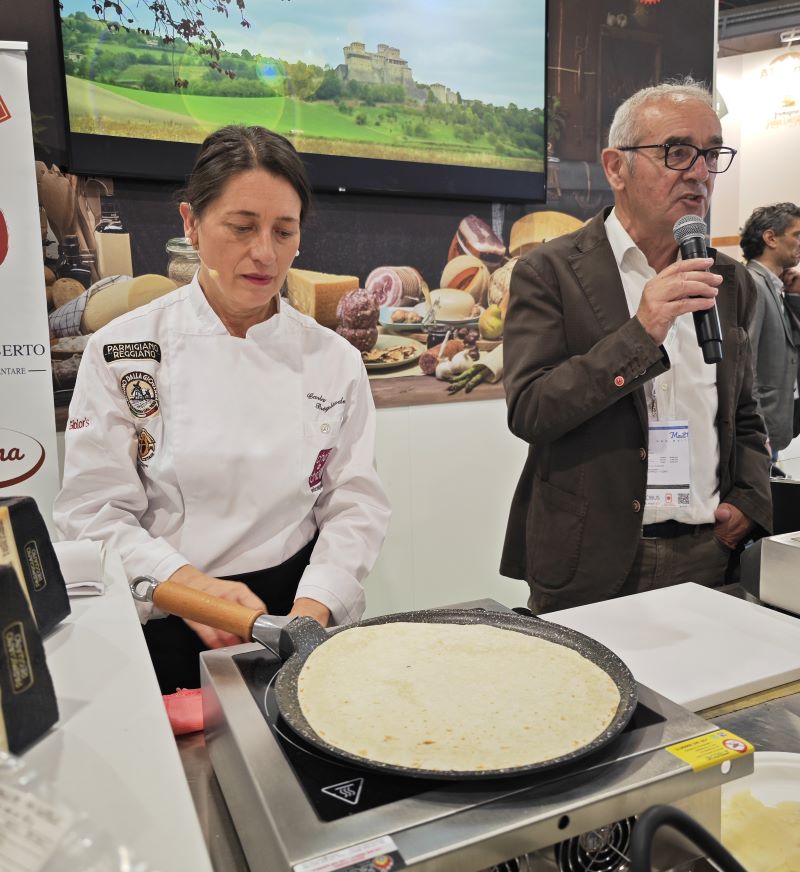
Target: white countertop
column 697, row 646
column 112, row 754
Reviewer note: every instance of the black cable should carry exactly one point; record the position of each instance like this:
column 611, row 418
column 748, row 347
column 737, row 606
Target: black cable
column 665, row 815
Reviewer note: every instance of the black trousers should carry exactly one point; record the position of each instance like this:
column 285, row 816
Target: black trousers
column 175, row 648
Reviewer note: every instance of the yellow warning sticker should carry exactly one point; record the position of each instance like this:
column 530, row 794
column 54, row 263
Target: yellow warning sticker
column 711, row 749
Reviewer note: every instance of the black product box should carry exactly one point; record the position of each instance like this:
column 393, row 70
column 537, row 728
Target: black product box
column 28, row 706
column 25, row 546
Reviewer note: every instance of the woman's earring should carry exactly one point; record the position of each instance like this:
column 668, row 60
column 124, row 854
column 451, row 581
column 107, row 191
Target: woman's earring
column 297, row 252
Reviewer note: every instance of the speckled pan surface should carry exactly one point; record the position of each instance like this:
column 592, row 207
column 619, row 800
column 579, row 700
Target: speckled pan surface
column 288, row 703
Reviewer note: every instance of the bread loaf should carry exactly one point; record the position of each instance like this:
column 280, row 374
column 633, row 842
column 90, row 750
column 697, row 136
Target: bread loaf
column 317, row 294
column 66, row 289
column 500, row 281
column 114, row 300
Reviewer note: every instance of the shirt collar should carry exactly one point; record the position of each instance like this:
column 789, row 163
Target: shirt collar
column 624, row 248
column 210, row 322
column 775, row 282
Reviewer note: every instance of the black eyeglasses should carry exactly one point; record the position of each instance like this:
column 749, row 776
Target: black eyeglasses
column 682, row 156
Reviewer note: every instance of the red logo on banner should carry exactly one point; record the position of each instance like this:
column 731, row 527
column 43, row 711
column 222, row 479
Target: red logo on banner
column 315, row 479
column 4, row 113
column 21, row 457
column 3, row 239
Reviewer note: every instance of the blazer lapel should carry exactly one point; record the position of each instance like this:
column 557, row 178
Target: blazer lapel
column 726, row 308
column 598, row 276
column 776, row 301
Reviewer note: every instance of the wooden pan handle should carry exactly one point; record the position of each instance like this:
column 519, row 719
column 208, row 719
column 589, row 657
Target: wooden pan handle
column 186, row 602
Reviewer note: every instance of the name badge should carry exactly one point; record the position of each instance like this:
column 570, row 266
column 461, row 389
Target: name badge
column 668, row 465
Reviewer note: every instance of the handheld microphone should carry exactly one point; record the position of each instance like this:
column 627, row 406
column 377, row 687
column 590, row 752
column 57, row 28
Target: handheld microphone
column 690, row 234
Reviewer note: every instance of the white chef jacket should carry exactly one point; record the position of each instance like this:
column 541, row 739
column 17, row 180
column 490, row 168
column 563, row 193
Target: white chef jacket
column 188, row 445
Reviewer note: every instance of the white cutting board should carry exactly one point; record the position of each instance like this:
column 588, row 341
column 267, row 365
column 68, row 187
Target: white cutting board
column 694, row 645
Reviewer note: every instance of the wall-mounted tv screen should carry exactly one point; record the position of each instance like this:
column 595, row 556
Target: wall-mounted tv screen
column 424, row 97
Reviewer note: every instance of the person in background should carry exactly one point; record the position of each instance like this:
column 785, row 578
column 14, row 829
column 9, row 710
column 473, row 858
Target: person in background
column 226, row 441
column 603, row 371
column 770, row 242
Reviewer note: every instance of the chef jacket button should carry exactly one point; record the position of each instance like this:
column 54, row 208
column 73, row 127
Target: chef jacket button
column 325, row 428
column 619, row 381
column 642, row 454
column 636, row 506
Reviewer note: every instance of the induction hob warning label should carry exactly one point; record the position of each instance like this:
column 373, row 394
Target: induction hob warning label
column 377, row 855
column 711, row 749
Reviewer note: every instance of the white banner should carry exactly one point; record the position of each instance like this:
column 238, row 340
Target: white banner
column 28, row 459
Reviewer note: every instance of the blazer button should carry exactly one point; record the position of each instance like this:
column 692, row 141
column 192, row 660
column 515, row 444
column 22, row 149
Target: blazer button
column 642, row 454
column 636, row 506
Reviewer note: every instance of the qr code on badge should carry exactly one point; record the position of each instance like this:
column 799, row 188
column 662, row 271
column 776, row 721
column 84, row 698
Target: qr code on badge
column 683, row 499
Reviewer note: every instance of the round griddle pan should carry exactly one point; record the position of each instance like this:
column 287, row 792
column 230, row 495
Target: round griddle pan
column 305, row 635
column 293, row 640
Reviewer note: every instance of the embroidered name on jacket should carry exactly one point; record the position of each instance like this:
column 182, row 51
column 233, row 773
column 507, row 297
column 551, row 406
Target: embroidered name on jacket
column 132, row 351
column 139, row 390
column 325, row 405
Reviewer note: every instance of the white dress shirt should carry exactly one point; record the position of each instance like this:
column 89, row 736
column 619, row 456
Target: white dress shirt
column 188, row 445
column 687, row 391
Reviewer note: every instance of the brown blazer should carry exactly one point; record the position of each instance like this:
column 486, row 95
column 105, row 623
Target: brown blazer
column 575, row 362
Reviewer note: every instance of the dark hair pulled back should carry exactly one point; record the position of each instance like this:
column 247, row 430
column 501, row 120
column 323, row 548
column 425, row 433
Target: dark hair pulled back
column 235, row 149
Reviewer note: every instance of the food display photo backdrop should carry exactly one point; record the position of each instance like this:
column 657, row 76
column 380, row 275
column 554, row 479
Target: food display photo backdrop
column 385, row 251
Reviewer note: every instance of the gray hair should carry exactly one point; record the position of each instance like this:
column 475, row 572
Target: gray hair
column 624, row 128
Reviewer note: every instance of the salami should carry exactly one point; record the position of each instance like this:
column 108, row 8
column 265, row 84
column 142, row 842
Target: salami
column 358, row 309
column 363, row 339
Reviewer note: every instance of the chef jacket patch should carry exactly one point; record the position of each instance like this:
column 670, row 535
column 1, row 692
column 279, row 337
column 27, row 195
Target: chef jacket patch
column 147, row 446
column 139, row 389
column 315, row 479
column 132, row 351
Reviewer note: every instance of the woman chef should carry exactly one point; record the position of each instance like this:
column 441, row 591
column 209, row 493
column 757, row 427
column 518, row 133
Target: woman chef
column 219, row 438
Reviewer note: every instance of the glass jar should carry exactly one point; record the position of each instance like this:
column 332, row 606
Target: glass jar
column 184, row 260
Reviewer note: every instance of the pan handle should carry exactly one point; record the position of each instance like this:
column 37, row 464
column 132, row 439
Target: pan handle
column 301, row 637
column 178, row 599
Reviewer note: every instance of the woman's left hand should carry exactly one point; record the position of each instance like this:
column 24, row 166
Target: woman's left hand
column 311, row 608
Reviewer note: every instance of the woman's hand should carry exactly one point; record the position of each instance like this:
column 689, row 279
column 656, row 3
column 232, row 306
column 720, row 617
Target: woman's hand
column 311, row 608
column 234, row 591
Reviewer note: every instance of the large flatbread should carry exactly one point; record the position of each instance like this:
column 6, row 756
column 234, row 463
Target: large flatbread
column 453, row 697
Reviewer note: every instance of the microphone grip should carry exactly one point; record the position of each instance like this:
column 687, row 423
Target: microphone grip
column 709, row 334
column 706, row 323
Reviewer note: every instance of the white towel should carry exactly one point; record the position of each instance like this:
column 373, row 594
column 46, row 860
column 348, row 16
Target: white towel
column 82, row 567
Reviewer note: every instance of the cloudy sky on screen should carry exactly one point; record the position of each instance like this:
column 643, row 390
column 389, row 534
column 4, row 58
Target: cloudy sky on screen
column 492, row 52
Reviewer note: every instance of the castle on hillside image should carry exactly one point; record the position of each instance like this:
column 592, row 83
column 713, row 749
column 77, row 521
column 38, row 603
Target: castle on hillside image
column 386, row 67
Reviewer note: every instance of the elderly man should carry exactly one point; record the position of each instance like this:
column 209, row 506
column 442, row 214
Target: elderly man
column 646, row 467
column 771, row 243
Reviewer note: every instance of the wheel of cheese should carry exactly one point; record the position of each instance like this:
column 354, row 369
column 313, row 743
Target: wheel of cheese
column 317, row 294
column 116, row 299
column 537, row 227
column 453, row 305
